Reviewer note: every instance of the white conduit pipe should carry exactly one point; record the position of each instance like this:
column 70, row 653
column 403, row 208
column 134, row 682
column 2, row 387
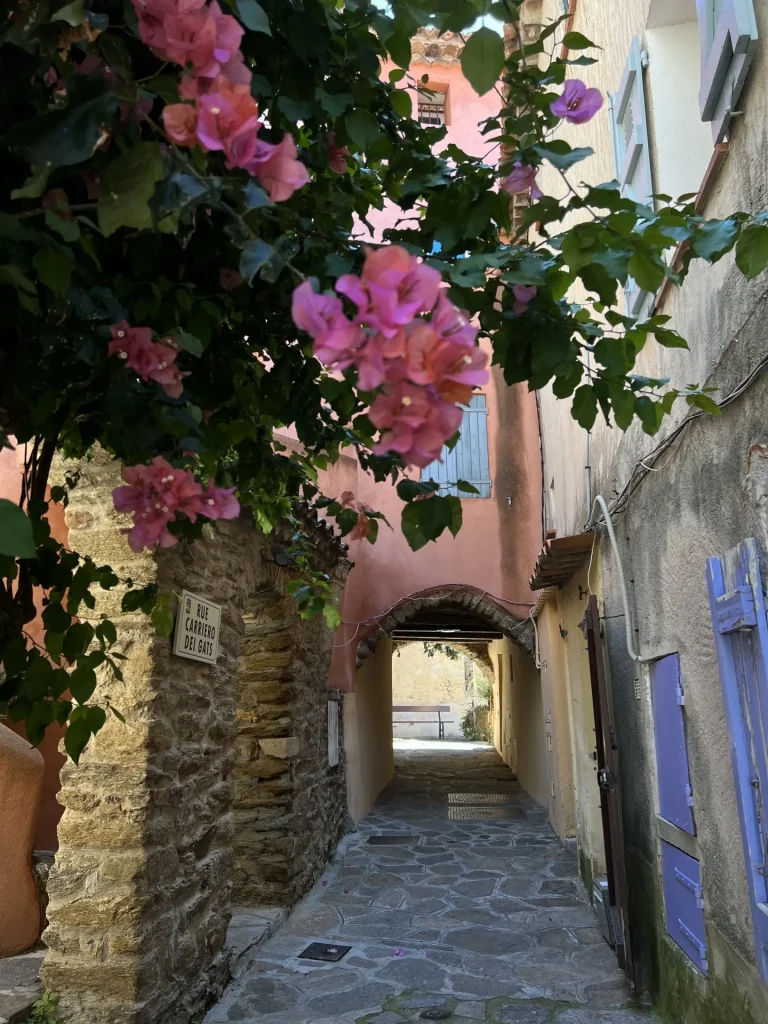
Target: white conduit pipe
column 600, row 500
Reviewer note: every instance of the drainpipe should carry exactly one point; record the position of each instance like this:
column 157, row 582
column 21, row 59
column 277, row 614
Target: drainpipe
column 587, row 465
column 543, row 479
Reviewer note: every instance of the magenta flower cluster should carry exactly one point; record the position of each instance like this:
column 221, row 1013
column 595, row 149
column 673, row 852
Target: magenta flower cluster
column 157, row 494
column 577, row 104
column 152, row 360
column 221, row 114
column 425, row 368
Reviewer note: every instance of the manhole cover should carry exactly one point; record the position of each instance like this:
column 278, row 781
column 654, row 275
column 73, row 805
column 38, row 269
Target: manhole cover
column 322, row 951
column 479, row 798
column 437, row 1013
column 482, row 813
column 392, row 840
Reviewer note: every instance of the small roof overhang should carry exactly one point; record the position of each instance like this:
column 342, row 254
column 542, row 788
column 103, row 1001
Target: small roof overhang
column 560, row 558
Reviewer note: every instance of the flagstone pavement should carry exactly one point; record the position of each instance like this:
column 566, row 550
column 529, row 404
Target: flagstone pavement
column 468, row 920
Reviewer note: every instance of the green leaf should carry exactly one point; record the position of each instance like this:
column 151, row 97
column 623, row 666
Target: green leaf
column 482, row 60
column 73, row 14
column 62, row 226
column 127, row 186
column 55, row 618
column 253, row 16
column 332, row 616
column 407, row 489
column 35, row 184
column 584, row 409
column 162, row 620
column 561, row 155
column 362, row 127
column 76, row 642
column 467, row 488
column 645, row 272
column 576, row 41
column 423, row 521
column 66, row 136
column 752, row 250
column 76, row 737
column 82, row 683
column 253, row 258
column 13, row 229
column 705, row 403
column 401, row 102
column 189, row 343
column 54, row 269
column 669, row 339
column 714, row 238
column 399, row 47
column 15, row 531
column 650, row 413
column 255, row 197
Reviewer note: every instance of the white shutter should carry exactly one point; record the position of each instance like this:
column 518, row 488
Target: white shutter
column 631, row 152
column 728, row 30
column 469, row 459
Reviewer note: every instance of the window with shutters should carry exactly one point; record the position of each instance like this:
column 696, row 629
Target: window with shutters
column 629, row 130
column 432, row 107
column 684, row 903
column 728, row 31
column 740, row 627
column 672, row 771
column 468, row 460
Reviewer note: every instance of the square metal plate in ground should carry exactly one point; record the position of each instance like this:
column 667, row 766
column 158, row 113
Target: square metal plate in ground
column 328, row 953
column 480, row 798
column 482, row 813
column 392, row 840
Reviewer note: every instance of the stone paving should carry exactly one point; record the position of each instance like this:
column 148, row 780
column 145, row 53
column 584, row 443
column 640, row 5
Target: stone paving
column 467, row 920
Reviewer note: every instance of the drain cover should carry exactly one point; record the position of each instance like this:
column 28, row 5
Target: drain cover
column 480, row 798
column 393, row 840
column 322, row 951
column 482, row 813
column 437, row 1013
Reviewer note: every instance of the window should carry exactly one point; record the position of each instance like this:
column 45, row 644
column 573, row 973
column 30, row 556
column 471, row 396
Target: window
column 674, row 780
column 728, row 32
column 740, row 629
column 631, row 153
column 469, row 459
column 432, row 108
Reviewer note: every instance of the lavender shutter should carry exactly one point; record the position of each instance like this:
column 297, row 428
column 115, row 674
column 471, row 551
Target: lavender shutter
column 468, row 460
column 675, row 795
column 684, row 904
column 740, row 625
column 729, row 38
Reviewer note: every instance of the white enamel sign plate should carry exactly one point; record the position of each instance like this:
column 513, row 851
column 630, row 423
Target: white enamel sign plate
column 197, row 629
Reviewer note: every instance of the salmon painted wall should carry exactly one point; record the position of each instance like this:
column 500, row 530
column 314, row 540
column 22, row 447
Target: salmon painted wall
column 501, row 535
column 11, row 463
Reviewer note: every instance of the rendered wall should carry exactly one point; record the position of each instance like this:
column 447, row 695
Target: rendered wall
column 420, row 679
column 368, row 731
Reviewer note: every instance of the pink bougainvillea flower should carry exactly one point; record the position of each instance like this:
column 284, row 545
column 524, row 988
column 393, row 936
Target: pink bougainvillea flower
column 337, row 155
column 577, row 104
column 452, row 368
column 165, row 372
column 180, row 123
column 151, row 360
column 452, row 323
column 229, row 279
column 393, row 289
column 57, row 201
column 524, row 294
column 219, row 502
column 155, row 494
column 278, row 169
column 415, row 422
column 190, row 38
column 228, row 121
column 319, row 314
column 522, row 179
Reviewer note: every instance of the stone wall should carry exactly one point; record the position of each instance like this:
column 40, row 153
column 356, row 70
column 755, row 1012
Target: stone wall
column 290, row 806
column 141, row 890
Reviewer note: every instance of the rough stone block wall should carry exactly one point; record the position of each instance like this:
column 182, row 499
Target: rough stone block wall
column 141, row 890
column 290, row 806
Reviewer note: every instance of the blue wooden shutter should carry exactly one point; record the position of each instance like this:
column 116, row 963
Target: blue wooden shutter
column 741, row 639
column 631, row 152
column 729, row 37
column 675, row 794
column 469, row 459
column 683, row 903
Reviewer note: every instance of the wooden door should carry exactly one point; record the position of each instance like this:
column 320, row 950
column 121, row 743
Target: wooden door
column 608, row 781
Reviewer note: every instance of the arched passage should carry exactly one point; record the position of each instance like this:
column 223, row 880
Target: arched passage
column 473, row 621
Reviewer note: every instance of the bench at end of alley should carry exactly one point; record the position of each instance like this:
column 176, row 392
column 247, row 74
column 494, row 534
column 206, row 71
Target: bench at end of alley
column 412, row 709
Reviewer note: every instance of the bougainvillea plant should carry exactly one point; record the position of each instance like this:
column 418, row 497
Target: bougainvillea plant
column 183, row 189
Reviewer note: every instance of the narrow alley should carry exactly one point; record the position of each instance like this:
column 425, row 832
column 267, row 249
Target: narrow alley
column 458, row 902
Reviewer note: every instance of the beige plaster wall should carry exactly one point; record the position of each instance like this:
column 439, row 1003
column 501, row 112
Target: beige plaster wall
column 518, row 720
column 368, row 731
column 418, row 679
column 557, row 734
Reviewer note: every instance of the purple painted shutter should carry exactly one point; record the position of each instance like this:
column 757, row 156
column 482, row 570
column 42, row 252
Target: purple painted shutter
column 684, row 903
column 675, row 794
column 741, row 639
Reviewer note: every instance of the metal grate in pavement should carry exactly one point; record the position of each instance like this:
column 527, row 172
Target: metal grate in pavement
column 329, row 954
column 480, row 798
column 392, row 840
column 482, row 813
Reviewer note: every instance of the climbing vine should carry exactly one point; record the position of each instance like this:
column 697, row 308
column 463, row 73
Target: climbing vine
column 183, row 194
